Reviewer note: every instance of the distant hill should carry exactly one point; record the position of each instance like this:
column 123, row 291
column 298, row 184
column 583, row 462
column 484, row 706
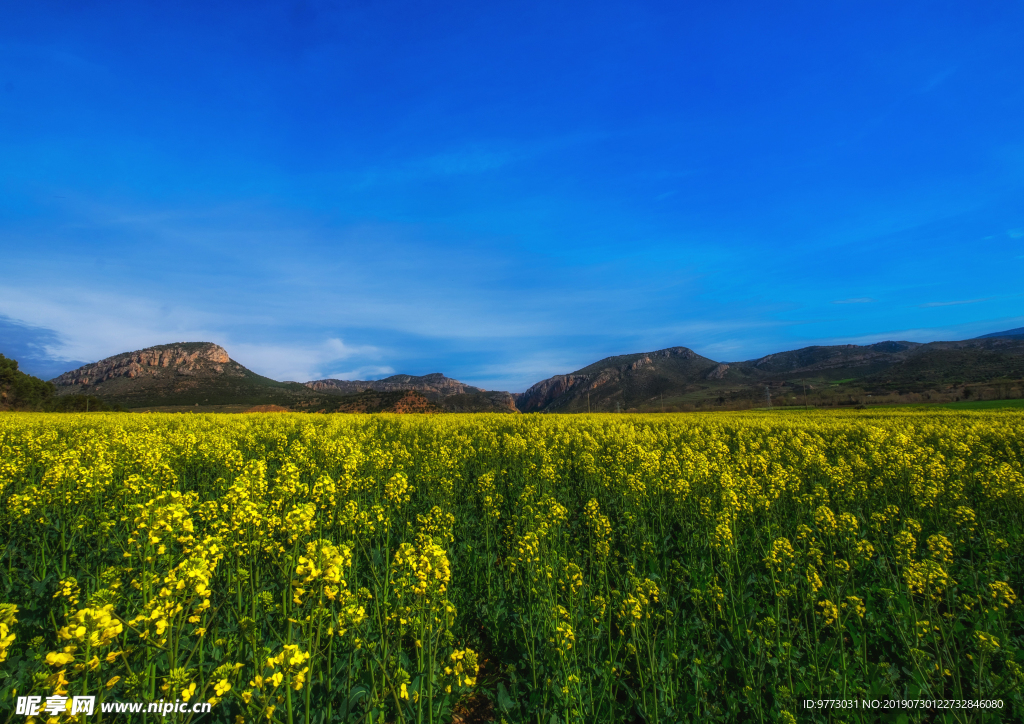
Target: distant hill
column 940, row 364
column 679, row 377
column 394, row 401
column 178, row 375
column 1019, row 332
column 201, row 375
column 630, row 380
column 448, row 394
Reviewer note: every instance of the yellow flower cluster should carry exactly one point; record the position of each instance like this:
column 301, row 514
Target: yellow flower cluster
column 781, row 556
column 829, row 612
column 68, row 590
column 423, row 568
column 463, row 667
column 600, row 529
column 93, row 627
column 322, row 568
column 7, row 621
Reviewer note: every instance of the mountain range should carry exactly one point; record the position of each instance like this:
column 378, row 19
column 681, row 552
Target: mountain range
column 202, row 376
column 679, row 378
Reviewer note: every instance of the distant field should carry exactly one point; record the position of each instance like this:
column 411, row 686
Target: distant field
column 983, row 404
column 972, row 405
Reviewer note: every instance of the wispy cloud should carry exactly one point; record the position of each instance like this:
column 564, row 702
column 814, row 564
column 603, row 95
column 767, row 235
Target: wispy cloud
column 30, row 345
column 90, row 325
column 474, row 158
column 339, row 350
column 465, row 161
column 936, row 80
column 297, row 300
column 526, row 370
column 85, row 325
column 297, row 362
column 369, row 372
column 951, row 304
column 931, row 334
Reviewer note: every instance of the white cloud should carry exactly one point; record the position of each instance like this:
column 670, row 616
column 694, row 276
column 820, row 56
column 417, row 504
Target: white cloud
column 369, row 372
column 523, row 370
column 856, row 300
column 93, row 325
column 340, row 350
column 297, row 363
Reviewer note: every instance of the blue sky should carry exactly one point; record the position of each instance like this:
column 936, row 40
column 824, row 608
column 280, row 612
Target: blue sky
column 505, row 191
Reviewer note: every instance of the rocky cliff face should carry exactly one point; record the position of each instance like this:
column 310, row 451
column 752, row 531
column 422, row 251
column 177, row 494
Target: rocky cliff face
column 178, row 375
column 186, row 358
column 718, row 373
column 547, row 391
column 684, row 352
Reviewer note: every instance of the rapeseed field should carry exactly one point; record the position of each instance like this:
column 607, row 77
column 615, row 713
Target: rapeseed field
column 606, row 568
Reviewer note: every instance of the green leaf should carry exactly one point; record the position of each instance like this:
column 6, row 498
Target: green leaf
column 504, row 700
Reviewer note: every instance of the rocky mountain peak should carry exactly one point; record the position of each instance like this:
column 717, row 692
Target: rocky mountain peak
column 675, row 352
column 184, row 357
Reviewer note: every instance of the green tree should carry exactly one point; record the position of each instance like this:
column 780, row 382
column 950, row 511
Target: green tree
column 19, row 390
